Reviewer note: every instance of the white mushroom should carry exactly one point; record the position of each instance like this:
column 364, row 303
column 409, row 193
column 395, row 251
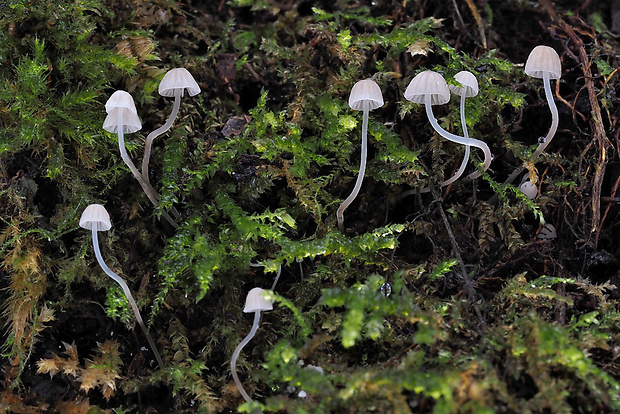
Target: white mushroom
column 123, row 118
column 254, row 302
column 430, row 88
column 547, row 232
column 529, row 189
column 173, row 84
column 544, row 63
column 96, row 218
column 365, row 96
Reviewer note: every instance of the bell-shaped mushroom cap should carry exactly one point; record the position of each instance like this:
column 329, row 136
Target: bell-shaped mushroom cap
column 428, row 83
column 469, row 84
column 365, row 95
column 178, row 79
column 256, row 302
column 130, row 121
column 543, row 59
column 528, row 189
column 95, row 215
column 121, row 99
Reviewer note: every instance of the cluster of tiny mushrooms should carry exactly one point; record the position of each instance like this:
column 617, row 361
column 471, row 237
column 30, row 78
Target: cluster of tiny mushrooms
column 428, row 88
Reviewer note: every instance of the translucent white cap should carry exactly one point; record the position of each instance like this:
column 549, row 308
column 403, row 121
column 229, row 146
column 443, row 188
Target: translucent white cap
column 547, row 232
column 121, row 99
column 129, row 122
column 178, row 79
column 256, row 302
column 469, row 84
column 428, row 83
column 365, row 95
column 528, row 189
column 95, row 215
column 543, row 59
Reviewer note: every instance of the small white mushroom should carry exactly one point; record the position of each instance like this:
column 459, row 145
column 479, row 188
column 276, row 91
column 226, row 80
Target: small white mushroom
column 173, row 84
column 96, row 218
column 547, row 232
column 254, row 302
column 430, row 88
column 365, row 96
column 123, row 119
column 529, row 189
column 544, row 63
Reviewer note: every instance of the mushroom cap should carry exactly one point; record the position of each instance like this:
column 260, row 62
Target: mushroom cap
column 176, row 79
column 365, row 95
column 121, row 99
column 547, row 232
column 95, row 215
column 528, row 189
column 256, row 302
column 130, row 121
column 469, row 84
column 543, row 59
column 425, row 83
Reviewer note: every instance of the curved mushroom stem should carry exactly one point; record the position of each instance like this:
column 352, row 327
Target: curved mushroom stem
column 151, row 137
column 555, row 118
column 458, row 139
column 461, row 169
column 360, row 176
column 127, row 292
column 233, row 361
column 150, row 192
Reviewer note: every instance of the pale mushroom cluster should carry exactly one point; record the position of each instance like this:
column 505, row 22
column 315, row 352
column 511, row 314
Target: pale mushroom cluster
column 123, row 118
column 428, row 88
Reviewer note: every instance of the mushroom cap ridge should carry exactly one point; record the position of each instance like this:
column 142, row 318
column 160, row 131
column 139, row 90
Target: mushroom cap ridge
column 256, row 302
column 178, row 78
column 120, row 99
column 543, row 59
column 131, row 122
column 428, row 83
column 469, row 84
column 365, row 94
column 95, row 215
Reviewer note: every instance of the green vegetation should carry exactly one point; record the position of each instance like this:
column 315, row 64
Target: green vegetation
column 442, row 301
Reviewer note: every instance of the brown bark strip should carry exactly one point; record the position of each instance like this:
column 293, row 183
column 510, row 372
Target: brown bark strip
column 478, row 19
column 600, row 137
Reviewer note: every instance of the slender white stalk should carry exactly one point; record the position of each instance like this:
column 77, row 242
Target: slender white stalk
column 555, row 118
column 150, row 192
column 233, row 361
column 461, row 169
column 360, row 176
column 159, row 131
column 456, row 138
column 127, row 292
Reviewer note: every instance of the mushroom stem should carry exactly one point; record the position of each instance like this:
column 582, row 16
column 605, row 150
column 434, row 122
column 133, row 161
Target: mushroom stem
column 233, row 361
column 458, row 139
column 461, row 169
column 555, row 120
column 150, row 192
column 127, row 292
column 360, row 176
column 159, row 131
column 555, row 117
